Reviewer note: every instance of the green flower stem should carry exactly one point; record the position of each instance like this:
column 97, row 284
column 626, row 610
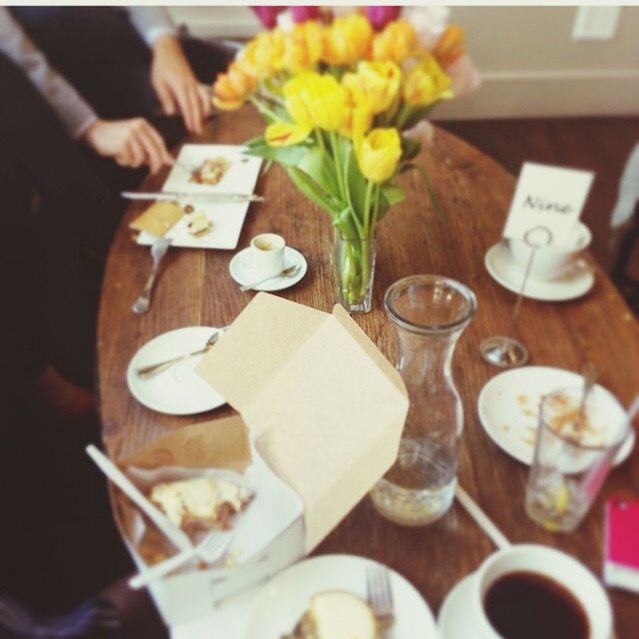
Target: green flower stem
column 262, row 108
column 355, row 270
column 320, row 138
column 338, row 167
column 367, row 207
column 377, row 195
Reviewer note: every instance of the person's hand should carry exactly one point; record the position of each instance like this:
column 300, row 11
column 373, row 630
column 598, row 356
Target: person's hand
column 131, row 143
column 175, row 84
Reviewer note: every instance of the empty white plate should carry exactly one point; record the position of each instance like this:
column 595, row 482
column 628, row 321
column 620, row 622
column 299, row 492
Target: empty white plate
column 505, row 272
column 242, row 272
column 286, row 597
column 179, row 390
column 508, row 407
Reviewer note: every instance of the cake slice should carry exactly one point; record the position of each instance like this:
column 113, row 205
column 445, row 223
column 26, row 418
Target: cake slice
column 336, row 614
column 203, row 501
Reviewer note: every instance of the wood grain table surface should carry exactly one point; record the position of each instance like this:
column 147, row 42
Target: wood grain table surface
column 195, row 288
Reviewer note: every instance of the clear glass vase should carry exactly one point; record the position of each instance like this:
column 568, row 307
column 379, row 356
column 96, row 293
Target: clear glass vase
column 429, row 313
column 354, row 267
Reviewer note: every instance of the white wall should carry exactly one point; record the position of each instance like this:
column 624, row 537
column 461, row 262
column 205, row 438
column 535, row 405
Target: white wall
column 530, row 64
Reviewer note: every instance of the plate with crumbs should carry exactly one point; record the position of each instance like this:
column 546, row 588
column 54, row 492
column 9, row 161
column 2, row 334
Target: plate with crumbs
column 508, row 408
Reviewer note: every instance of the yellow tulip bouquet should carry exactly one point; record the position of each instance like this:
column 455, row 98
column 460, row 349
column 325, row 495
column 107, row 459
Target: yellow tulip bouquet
column 341, row 101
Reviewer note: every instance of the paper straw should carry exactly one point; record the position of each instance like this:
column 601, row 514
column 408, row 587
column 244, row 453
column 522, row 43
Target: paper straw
column 174, row 534
column 481, row 518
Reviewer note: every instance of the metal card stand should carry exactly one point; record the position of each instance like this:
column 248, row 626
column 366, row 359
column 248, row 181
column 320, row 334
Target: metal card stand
column 506, row 351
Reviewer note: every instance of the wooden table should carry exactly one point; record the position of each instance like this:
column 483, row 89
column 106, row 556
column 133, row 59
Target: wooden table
column 196, row 289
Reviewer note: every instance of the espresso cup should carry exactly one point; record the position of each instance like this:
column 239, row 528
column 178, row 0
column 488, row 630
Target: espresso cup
column 267, row 254
column 553, row 261
column 552, row 564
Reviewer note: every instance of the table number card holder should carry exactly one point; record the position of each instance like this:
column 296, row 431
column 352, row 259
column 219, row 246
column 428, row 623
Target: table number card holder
column 506, row 351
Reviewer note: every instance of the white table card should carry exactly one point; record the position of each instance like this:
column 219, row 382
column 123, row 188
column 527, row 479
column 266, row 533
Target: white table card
column 548, row 196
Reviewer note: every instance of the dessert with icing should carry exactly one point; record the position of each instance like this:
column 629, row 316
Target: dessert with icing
column 211, row 171
column 201, row 502
column 336, row 614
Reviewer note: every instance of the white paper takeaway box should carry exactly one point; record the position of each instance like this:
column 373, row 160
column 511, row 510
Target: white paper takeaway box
column 325, row 410
column 324, row 405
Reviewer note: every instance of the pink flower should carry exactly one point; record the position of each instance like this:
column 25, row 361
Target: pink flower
column 465, row 76
column 429, row 23
column 304, row 13
column 423, row 132
column 267, row 14
column 379, row 17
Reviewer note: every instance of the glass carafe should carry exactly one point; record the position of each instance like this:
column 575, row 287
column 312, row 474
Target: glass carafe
column 429, row 313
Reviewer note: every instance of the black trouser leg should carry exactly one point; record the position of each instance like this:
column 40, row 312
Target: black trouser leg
column 78, row 215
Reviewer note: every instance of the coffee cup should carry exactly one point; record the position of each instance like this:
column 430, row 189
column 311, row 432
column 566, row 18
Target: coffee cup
column 552, row 261
column 267, row 254
column 560, row 573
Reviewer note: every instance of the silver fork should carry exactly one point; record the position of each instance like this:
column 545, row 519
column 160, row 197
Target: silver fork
column 212, row 547
column 153, row 369
column 158, row 251
column 380, row 594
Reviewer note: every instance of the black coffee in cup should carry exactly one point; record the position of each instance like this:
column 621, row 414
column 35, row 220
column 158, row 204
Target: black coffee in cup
column 528, row 605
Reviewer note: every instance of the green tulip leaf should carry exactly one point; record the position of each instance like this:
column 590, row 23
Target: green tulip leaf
column 311, row 189
column 356, row 183
column 318, row 164
column 410, row 148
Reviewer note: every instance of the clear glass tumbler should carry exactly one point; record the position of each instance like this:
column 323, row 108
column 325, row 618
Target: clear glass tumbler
column 429, row 313
column 575, row 448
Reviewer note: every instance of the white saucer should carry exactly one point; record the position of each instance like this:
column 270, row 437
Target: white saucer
column 179, row 390
column 453, row 618
column 504, row 272
column 508, row 408
column 242, row 273
column 283, row 601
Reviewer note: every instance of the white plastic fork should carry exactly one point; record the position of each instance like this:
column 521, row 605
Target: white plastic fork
column 379, row 593
column 210, row 549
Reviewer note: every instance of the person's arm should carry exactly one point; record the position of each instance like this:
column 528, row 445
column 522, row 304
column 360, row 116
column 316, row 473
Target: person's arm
column 152, row 23
column 70, row 107
column 172, row 78
column 131, row 142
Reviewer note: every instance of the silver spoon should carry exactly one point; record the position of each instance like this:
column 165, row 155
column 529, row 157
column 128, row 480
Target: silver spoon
column 153, row 369
column 289, row 271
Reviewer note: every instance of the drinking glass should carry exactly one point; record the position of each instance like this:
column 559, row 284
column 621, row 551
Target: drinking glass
column 429, row 313
column 575, row 448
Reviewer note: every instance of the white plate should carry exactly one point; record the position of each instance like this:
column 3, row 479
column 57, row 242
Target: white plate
column 508, row 408
column 242, row 272
column 178, row 390
column 228, row 218
column 506, row 273
column 452, row 621
column 283, row 601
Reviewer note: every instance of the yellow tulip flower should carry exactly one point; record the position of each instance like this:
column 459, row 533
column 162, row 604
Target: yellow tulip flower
column 316, row 100
column 396, row 42
column 379, row 81
column 347, row 40
column 426, row 83
column 378, row 154
column 231, row 89
column 450, row 46
column 286, row 133
column 360, row 113
column 264, row 55
column 303, row 46
column 313, row 101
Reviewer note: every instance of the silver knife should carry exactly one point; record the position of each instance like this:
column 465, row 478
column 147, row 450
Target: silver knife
column 211, row 197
